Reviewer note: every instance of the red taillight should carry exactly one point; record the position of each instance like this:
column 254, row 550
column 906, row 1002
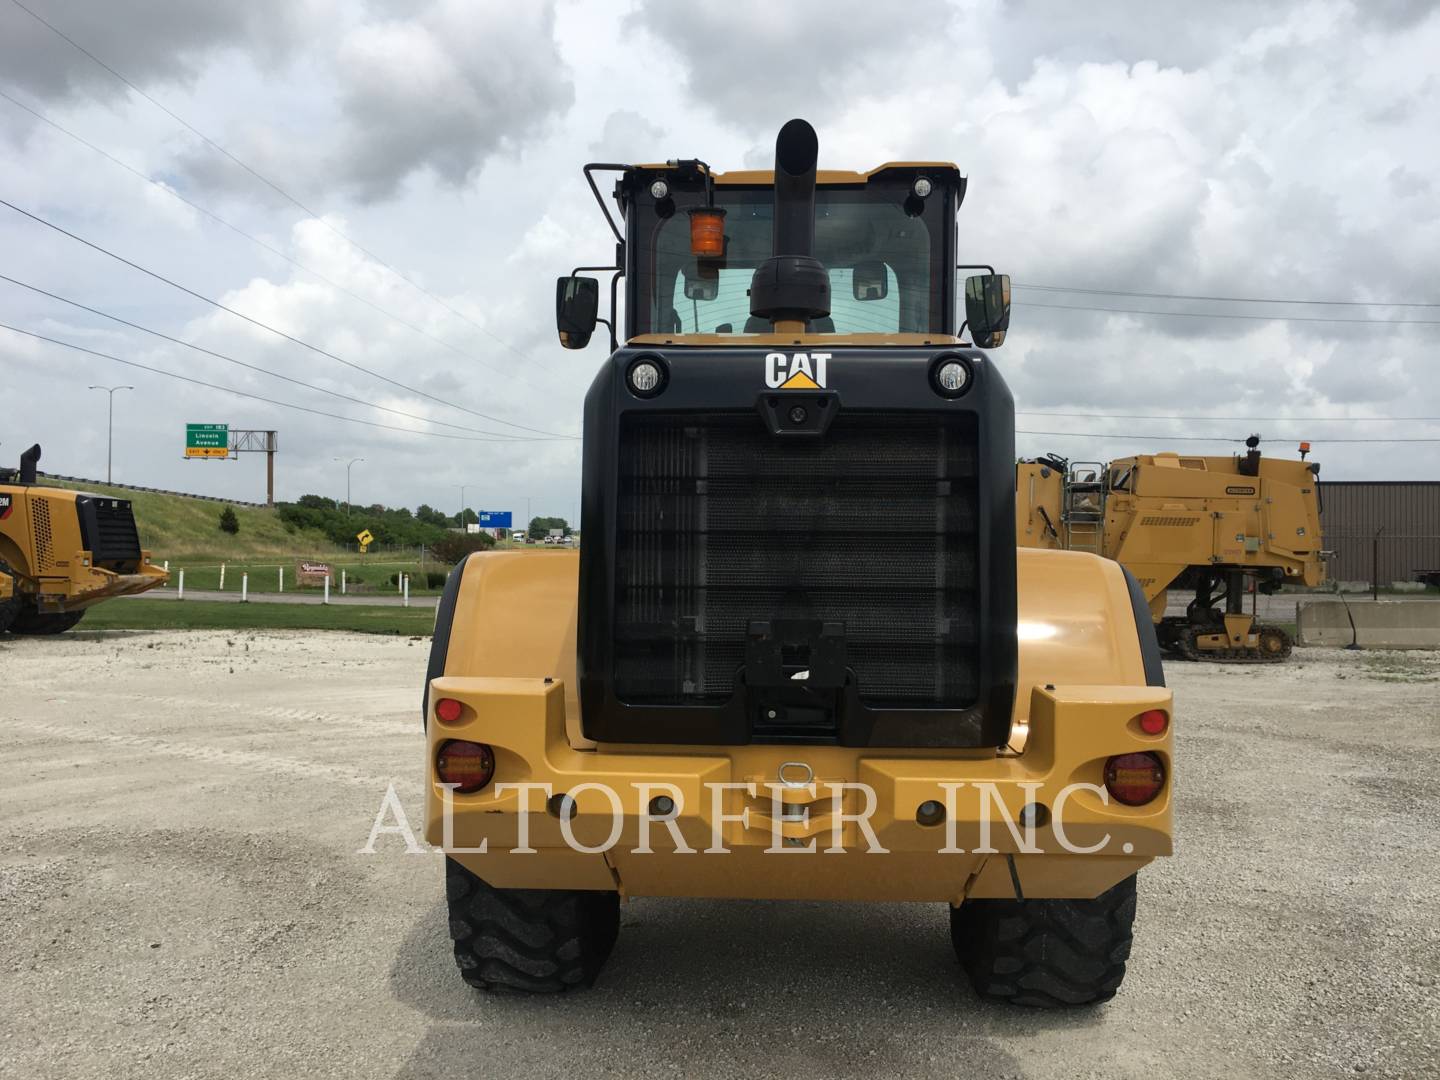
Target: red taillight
column 1154, row 722
column 448, row 709
column 1134, row 779
column 467, row 765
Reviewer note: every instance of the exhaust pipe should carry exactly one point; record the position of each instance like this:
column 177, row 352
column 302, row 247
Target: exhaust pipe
column 28, row 460
column 792, row 286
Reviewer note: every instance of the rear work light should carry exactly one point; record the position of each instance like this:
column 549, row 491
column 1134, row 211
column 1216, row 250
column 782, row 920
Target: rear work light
column 449, row 710
column 1153, row 721
column 1134, row 779
column 467, row 765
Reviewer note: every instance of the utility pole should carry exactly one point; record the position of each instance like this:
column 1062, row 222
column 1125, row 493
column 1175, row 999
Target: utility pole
column 352, row 461
column 110, row 436
column 461, row 518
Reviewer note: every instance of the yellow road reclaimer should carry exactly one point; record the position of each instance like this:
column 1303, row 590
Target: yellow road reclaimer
column 62, row 552
column 1210, row 525
column 797, row 656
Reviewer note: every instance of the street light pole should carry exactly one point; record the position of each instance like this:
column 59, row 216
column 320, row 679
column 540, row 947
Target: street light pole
column 352, row 461
column 110, row 431
column 461, row 518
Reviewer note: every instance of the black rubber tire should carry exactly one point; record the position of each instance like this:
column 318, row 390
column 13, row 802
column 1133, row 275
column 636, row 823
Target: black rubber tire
column 534, row 941
column 11, row 607
column 1047, row 954
column 29, row 621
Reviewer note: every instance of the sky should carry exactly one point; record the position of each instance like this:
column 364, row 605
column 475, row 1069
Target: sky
column 397, row 185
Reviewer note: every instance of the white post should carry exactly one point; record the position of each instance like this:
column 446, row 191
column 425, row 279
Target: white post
column 400, row 581
column 404, row 584
column 244, row 588
column 327, row 590
column 342, row 582
column 282, row 579
column 180, row 591
column 167, row 566
column 222, row 577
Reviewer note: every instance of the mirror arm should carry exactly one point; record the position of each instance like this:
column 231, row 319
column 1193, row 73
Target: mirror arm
column 590, row 179
column 961, row 331
column 975, row 266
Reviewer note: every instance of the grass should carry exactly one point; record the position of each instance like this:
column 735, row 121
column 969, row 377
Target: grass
column 174, row 527
column 364, row 574
column 141, row 614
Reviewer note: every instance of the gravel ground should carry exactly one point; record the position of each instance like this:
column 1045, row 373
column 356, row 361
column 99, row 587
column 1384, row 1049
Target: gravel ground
column 180, row 895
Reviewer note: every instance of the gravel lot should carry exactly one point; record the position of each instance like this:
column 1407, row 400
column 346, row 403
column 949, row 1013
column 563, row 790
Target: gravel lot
column 180, row 895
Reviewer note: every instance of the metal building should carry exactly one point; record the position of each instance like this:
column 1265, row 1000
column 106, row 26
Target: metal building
column 1381, row 530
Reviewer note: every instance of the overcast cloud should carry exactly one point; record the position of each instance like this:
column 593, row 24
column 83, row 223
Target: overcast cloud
column 1282, row 150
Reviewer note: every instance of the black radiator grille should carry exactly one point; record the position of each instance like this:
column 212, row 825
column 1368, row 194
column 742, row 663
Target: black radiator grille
column 110, row 530
column 872, row 525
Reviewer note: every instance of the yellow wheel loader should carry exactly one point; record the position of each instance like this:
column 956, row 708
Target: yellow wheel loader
column 798, row 655
column 1218, row 527
column 62, row 552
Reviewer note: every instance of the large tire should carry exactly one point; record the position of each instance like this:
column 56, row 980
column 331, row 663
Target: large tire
column 29, row 621
column 534, row 941
column 1047, row 954
column 9, row 607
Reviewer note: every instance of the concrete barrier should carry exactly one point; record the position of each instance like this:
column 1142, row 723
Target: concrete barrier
column 1379, row 624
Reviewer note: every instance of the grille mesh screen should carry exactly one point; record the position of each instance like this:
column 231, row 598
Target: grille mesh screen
column 872, row 525
column 118, row 539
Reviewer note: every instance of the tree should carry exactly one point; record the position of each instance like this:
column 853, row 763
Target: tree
column 229, row 523
column 453, row 547
column 467, row 517
column 428, row 515
column 540, row 526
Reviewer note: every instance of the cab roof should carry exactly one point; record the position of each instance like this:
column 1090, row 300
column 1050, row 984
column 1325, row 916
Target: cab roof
column 766, row 177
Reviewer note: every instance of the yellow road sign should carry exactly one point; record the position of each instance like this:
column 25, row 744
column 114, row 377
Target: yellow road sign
column 206, row 451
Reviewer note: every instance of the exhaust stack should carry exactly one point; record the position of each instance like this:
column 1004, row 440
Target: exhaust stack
column 792, row 286
column 28, row 460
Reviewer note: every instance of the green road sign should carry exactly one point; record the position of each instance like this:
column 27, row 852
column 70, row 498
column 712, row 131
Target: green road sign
column 207, row 440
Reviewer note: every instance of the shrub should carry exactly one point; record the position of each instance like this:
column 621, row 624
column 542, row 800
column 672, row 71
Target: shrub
column 453, row 547
column 229, row 523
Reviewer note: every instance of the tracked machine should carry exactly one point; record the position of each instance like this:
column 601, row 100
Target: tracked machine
column 798, row 655
column 62, row 552
column 1219, row 528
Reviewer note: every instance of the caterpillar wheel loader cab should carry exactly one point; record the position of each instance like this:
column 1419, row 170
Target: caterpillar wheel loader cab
column 797, row 656
column 1216, row 527
column 62, row 552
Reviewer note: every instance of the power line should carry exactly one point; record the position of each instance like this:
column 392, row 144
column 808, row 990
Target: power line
column 245, row 393
column 254, row 239
column 266, row 371
column 267, row 181
column 1226, row 315
column 1240, row 419
column 1207, row 439
column 1225, row 299
column 280, row 333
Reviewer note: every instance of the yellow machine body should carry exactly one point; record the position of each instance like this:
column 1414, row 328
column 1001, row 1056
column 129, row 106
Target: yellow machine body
column 53, row 568
column 511, row 664
column 1169, row 517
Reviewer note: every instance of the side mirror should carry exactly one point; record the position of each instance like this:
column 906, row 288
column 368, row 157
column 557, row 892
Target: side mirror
column 869, row 281
column 987, row 308
column 577, row 307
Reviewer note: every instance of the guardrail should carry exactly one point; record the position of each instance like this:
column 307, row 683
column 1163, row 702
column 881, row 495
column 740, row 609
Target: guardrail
column 151, row 490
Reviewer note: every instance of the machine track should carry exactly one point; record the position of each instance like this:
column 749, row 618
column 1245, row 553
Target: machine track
column 1275, row 647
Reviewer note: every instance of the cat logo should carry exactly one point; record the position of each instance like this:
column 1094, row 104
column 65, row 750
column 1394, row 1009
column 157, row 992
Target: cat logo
column 798, row 371
column 7, row 503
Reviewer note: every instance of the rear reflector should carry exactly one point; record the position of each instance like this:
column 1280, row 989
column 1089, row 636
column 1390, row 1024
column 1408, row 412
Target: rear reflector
column 448, row 709
column 1134, row 779
column 1154, row 722
column 469, row 766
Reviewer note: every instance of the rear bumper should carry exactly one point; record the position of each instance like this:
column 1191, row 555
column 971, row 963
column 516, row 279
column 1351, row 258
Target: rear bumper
column 752, row 835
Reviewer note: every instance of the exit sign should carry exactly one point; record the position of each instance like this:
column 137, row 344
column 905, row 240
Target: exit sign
column 207, row 440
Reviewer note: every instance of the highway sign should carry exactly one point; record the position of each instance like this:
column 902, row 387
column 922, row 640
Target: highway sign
column 207, row 440
column 495, row 519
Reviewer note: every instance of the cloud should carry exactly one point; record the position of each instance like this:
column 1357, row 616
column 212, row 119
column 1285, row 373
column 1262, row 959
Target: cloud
column 151, row 41
column 445, row 91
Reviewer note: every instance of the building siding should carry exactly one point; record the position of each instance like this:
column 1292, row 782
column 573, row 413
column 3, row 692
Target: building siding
column 1407, row 511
